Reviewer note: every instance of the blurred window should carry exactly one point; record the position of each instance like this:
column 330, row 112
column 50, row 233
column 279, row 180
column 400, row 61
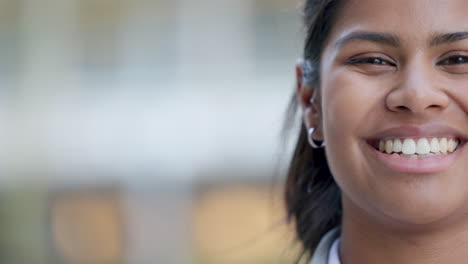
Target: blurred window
column 275, row 44
column 9, row 43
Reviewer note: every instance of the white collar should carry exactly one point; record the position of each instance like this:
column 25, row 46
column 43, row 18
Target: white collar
column 333, row 255
column 322, row 251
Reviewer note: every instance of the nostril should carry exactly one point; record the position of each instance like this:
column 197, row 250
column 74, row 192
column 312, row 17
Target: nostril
column 399, row 108
column 402, row 107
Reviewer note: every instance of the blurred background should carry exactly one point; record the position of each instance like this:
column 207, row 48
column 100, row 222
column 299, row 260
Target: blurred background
column 145, row 131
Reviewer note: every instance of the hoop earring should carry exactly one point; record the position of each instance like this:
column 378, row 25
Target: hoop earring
column 311, row 140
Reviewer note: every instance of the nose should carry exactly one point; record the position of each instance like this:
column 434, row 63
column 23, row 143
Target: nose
column 418, row 91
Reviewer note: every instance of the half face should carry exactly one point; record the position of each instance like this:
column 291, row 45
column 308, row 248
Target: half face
column 394, row 85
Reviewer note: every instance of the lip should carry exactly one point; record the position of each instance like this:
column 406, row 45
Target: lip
column 428, row 165
column 407, row 165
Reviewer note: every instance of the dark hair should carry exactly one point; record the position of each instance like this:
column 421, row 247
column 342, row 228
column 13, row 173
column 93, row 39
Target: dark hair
column 313, row 199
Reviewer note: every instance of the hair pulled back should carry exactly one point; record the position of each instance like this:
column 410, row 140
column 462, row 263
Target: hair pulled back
column 313, row 199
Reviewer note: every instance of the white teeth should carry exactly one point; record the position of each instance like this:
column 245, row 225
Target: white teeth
column 426, row 155
column 420, row 156
column 381, row 146
column 397, row 145
column 409, row 146
column 435, row 145
column 443, row 145
column 452, row 145
column 423, row 147
column 389, row 146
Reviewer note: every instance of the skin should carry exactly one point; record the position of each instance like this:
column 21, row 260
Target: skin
column 392, row 217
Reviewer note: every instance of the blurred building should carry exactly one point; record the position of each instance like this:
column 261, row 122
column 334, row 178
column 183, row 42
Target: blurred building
column 145, row 131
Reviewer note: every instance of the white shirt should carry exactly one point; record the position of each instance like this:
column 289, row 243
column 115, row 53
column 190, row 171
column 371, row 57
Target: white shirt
column 326, row 251
column 333, row 255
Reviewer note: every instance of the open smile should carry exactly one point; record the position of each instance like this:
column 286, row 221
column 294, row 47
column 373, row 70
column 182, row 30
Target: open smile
column 423, row 149
column 409, row 151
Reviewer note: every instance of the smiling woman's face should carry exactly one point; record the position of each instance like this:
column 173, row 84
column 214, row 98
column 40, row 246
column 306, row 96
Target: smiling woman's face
column 397, row 72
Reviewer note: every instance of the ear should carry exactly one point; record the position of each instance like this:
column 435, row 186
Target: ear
column 310, row 111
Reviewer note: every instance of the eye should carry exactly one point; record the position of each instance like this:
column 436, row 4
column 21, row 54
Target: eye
column 454, row 60
column 371, row 60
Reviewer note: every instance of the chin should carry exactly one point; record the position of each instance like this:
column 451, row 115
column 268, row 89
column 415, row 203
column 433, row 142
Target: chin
column 420, row 210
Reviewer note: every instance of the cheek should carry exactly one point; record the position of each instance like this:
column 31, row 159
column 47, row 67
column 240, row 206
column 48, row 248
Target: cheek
column 352, row 104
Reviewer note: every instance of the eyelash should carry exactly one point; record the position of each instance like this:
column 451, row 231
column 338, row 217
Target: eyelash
column 454, row 60
column 371, row 60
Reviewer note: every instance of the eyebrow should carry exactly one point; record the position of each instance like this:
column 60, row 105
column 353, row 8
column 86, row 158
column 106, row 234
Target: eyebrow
column 393, row 40
column 440, row 39
column 379, row 38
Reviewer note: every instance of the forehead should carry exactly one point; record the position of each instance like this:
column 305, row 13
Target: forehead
column 411, row 20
